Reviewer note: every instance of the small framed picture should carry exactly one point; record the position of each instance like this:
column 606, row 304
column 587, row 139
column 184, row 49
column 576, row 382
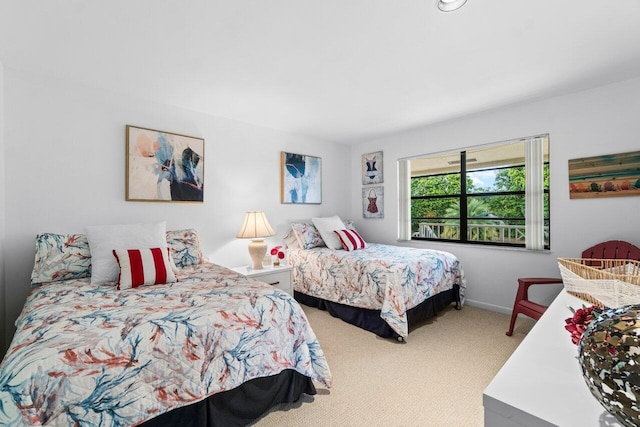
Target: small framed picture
column 163, row 166
column 373, row 202
column 372, row 168
column 300, row 178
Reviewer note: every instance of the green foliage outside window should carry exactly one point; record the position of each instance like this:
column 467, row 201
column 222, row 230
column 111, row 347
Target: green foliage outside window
column 480, row 210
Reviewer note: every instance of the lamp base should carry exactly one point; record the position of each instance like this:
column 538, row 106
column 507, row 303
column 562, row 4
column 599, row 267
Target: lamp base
column 257, row 250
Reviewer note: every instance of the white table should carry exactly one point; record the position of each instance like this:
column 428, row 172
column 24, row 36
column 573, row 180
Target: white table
column 541, row 384
column 279, row 277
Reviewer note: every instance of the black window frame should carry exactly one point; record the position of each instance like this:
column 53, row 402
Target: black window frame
column 464, row 198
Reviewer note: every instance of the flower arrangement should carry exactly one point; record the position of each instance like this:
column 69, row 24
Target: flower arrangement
column 580, row 321
column 277, row 253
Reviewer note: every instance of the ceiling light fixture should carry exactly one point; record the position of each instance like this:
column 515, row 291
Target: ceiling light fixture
column 450, row 5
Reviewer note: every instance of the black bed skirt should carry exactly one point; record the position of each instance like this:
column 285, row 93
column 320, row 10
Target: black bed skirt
column 241, row 405
column 370, row 320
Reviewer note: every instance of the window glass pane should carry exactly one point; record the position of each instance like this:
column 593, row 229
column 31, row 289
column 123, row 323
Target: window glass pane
column 437, row 164
column 546, row 233
column 436, row 218
column 436, row 228
column 435, row 185
column 545, row 170
column 447, row 207
column 498, row 231
column 497, row 206
column 546, row 206
column 492, row 168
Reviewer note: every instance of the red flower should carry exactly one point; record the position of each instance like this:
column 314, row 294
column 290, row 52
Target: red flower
column 277, row 250
column 580, row 321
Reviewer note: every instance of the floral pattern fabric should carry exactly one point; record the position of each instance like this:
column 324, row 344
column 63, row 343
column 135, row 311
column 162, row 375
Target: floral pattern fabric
column 61, row 257
column 308, row 235
column 290, row 241
column 68, row 256
column 388, row 278
column 90, row 355
column 185, row 247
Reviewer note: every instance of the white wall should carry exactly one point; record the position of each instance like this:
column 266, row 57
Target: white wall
column 600, row 121
column 64, row 169
column 3, row 321
column 65, row 152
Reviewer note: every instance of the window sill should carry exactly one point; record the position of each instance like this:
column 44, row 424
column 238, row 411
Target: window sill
column 422, row 242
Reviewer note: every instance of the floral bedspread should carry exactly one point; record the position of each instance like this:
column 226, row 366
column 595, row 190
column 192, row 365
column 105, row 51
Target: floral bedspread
column 92, row 355
column 389, row 278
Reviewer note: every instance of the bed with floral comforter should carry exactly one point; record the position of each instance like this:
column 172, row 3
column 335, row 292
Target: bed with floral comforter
column 385, row 278
column 91, row 355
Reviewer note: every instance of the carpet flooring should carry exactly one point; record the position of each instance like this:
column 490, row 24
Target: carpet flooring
column 435, row 379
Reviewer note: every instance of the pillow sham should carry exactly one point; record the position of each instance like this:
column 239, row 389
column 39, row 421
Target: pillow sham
column 184, row 246
column 60, row 257
column 307, row 235
column 140, row 267
column 290, row 241
column 350, row 239
column 325, row 226
column 104, row 239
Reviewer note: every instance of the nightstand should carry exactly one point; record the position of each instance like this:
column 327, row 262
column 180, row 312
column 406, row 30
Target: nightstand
column 279, row 277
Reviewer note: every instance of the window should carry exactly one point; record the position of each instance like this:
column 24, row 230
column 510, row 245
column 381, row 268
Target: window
column 496, row 194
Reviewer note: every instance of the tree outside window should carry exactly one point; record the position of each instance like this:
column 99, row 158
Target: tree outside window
column 489, row 183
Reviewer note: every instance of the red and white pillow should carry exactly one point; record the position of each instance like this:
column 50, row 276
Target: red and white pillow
column 139, row 267
column 350, row 240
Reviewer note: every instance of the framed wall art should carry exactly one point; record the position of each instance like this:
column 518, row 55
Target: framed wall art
column 300, row 178
column 373, row 202
column 372, row 168
column 612, row 175
column 163, row 166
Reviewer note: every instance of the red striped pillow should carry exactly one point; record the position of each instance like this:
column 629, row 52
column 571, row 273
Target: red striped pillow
column 350, row 240
column 139, row 267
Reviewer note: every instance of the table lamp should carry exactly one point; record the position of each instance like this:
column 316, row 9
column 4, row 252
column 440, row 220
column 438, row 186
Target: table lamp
column 256, row 227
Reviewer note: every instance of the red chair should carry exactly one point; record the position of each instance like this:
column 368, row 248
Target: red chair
column 612, row 249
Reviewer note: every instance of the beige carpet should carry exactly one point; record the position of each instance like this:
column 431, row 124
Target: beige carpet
column 435, row 379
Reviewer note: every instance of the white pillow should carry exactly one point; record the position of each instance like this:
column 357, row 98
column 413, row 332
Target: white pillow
column 326, row 226
column 103, row 239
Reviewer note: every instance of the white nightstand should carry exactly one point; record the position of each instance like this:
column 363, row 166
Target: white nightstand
column 274, row 276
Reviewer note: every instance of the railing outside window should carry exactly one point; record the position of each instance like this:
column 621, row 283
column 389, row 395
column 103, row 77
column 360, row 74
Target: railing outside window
column 481, row 195
column 502, row 233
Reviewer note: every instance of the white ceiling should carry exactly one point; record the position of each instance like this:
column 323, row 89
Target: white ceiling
column 337, row 70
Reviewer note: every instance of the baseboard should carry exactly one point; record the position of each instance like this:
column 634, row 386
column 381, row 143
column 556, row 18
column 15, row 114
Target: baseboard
column 490, row 307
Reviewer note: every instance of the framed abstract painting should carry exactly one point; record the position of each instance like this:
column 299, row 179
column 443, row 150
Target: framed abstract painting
column 163, row 166
column 372, row 168
column 373, row 201
column 300, row 178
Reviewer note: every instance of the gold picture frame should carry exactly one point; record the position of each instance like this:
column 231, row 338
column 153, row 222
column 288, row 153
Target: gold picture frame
column 163, row 166
column 300, row 178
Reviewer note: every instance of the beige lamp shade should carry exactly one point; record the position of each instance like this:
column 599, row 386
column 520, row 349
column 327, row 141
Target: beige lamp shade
column 256, row 227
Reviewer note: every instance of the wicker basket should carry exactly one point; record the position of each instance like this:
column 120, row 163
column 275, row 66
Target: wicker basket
column 604, row 282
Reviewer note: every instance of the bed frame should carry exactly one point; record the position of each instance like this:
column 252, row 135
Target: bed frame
column 371, row 321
